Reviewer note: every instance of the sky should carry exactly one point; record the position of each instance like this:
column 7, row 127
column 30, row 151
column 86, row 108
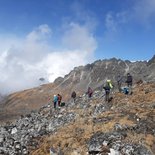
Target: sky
column 48, row 38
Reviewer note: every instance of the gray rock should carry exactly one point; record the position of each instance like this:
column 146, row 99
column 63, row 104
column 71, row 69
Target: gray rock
column 14, row 130
column 114, row 140
column 114, row 152
column 99, row 109
column 128, row 149
column 53, row 151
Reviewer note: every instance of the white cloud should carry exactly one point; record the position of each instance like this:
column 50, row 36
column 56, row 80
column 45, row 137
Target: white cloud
column 81, row 13
column 113, row 21
column 24, row 60
column 39, row 34
column 60, row 63
column 144, row 11
column 79, row 37
column 141, row 12
column 110, row 22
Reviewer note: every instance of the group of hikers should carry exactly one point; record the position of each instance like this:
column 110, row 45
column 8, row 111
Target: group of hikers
column 108, row 87
column 126, row 90
column 57, row 100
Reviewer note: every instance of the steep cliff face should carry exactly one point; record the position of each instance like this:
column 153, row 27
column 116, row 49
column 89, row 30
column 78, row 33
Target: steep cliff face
column 93, row 75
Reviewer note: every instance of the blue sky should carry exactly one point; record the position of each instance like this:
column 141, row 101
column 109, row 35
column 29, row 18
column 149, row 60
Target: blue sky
column 39, row 37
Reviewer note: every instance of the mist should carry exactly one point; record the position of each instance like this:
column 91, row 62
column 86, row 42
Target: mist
column 24, row 60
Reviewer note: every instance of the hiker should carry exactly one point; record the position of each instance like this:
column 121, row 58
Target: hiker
column 59, row 99
column 119, row 82
column 109, row 82
column 107, row 89
column 73, row 95
column 89, row 92
column 107, row 92
column 55, row 100
column 129, row 82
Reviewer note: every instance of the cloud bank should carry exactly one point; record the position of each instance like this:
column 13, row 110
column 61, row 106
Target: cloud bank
column 23, row 60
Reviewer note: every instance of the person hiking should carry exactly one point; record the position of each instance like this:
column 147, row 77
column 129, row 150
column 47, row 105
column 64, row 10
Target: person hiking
column 129, row 82
column 89, row 92
column 73, row 95
column 55, row 100
column 119, row 82
column 59, row 99
column 107, row 89
column 109, row 82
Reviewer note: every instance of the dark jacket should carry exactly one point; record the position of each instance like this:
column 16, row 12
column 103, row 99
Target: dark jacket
column 73, row 94
column 59, row 97
column 129, row 79
column 90, row 91
column 107, row 88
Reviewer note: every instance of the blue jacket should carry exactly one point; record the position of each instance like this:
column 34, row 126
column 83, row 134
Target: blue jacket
column 55, row 99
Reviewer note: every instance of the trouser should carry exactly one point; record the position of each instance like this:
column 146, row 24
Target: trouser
column 107, row 96
column 119, row 86
column 59, row 102
column 130, row 88
column 55, row 104
column 90, row 95
column 73, row 99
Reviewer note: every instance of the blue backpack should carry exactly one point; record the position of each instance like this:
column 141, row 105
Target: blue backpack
column 126, row 90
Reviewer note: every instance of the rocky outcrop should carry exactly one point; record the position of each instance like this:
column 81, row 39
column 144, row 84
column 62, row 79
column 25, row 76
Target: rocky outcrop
column 124, row 126
column 152, row 60
column 112, row 144
column 20, row 137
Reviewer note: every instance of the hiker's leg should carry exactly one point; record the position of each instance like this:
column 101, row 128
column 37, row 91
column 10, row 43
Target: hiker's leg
column 119, row 87
column 108, row 96
column 59, row 103
column 90, row 95
column 129, row 86
column 118, row 84
column 130, row 89
column 105, row 96
column 55, row 105
column 72, row 99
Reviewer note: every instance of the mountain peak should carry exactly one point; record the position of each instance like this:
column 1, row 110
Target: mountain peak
column 152, row 60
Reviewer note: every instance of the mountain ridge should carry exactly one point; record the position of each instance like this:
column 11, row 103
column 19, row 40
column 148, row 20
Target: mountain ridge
column 93, row 75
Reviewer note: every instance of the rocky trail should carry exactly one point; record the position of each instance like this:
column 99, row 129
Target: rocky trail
column 124, row 126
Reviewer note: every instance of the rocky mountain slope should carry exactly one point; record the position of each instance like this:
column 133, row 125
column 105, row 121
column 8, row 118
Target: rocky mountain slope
column 93, row 75
column 124, row 126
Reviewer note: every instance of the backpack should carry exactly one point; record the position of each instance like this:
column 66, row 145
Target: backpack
column 125, row 90
column 107, row 88
column 62, row 104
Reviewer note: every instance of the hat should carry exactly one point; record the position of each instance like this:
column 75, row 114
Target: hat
column 108, row 80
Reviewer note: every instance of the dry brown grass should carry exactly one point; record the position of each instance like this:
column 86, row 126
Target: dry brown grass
column 137, row 104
